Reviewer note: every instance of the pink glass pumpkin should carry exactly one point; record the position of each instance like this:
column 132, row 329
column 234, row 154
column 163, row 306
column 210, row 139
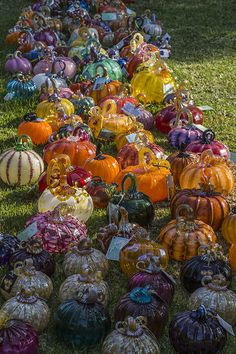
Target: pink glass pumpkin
column 16, row 63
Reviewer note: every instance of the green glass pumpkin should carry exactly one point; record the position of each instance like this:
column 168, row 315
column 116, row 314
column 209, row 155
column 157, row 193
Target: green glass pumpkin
column 138, row 205
column 112, row 68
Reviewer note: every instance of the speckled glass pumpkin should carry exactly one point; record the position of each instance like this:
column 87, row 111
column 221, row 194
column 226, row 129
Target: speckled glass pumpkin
column 84, row 253
column 214, row 294
column 37, row 129
column 20, row 165
column 178, row 161
column 8, row 245
column 183, row 236
column 143, row 302
column 28, row 307
column 130, row 336
column 228, row 228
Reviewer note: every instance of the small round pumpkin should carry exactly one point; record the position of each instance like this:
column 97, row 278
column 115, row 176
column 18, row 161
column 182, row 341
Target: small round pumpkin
column 36, row 128
column 228, row 228
column 183, row 236
column 178, row 161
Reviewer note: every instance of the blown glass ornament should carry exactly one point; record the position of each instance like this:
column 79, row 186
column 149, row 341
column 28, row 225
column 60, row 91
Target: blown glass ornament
column 150, row 272
column 130, row 336
column 8, row 245
column 28, row 307
column 143, row 302
column 82, row 253
column 82, row 322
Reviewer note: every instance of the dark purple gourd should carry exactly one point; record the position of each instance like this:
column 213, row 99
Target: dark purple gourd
column 8, row 244
column 197, row 332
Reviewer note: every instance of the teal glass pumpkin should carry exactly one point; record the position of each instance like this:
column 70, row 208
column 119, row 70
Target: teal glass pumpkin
column 19, row 87
column 83, row 321
column 112, row 68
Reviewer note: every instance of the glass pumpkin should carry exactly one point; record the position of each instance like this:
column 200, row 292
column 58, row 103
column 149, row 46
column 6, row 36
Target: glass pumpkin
column 80, row 283
column 37, row 129
column 178, row 161
column 17, row 337
column 211, row 259
column 113, row 70
column 183, row 236
column 120, row 100
column 17, row 63
column 83, row 106
column 209, row 170
column 138, row 205
column 82, row 322
column 33, row 249
column 28, row 307
column 20, row 87
column 129, row 336
column 214, row 294
column 228, row 228
column 24, row 274
column 199, row 329
column 8, row 245
column 150, row 272
column 232, row 256
column 143, row 302
column 100, row 192
column 138, row 134
column 84, row 253
column 207, row 142
column 208, row 206
column 20, row 165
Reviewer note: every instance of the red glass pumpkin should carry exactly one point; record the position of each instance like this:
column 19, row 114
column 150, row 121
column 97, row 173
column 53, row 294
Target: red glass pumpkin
column 99, row 192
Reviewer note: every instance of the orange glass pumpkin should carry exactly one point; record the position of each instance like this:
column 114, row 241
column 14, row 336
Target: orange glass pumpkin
column 232, row 256
column 182, row 237
column 123, row 138
column 211, row 169
column 37, row 129
column 228, row 228
column 178, row 161
column 104, row 166
column 59, row 119
column 151, row 175
column 12, row 37
column 78, row 150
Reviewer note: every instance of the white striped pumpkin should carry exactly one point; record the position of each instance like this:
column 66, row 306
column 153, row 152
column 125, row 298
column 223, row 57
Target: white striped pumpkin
column 21, row 165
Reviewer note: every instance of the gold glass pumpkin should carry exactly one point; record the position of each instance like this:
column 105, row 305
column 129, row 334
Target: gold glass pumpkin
column 24, row 274
column 21, row 165
column 182, row 237
column 80, row 283
column 28, row 307
column 215, row 295
column 59, row 191
column 228, row 228
column 82, row 253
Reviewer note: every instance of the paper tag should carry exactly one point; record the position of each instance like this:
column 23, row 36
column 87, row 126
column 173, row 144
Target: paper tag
column 170, row 186
column 109, row 16
column 28, row 232
column 168, row 89
column 233, row 156
column 164, row 53
column 130, row 109
column 8, row 281
column 9, row 96
column 200, row 127
column 205, row 108
column 113, row 213
column 106, row 134
column 116, row 245
column 131, row 137
column 166, row 37
column 99, row 83
column 225, row 325
column 130, row 12
column 169, row 277
column 120, row 44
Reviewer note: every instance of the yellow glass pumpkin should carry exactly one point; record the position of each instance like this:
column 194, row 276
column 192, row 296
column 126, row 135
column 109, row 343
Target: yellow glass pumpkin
column 59, row 191
column 139, row 133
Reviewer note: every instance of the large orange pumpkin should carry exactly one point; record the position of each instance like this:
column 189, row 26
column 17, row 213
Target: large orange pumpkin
column 151, row 177
column 37, row 129
column 228, row 228
column 210, row 169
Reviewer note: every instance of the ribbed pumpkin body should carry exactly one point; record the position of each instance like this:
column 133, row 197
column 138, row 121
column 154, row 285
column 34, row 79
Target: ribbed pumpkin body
column 104, row 166
column 110, row 88
column 39, row 132
column 228, row 228
column 178, row 161
column 20, row 167
column 180, row 136
column 46, row 108
column 112, row 68
column 215, row 146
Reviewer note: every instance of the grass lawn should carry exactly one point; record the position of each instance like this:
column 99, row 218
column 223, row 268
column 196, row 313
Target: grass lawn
column 204, row 52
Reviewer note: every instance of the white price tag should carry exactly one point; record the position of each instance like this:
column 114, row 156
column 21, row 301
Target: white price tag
column 116, row 245
column 205, row 108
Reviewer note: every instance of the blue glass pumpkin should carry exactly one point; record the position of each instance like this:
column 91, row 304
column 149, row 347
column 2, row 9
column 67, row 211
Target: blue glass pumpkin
column 8, row 245
column 83, row 321
column 21, row 86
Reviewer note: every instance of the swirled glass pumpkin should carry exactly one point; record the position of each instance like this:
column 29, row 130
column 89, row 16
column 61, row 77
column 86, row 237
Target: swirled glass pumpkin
column 178, row 161
column 113, row 69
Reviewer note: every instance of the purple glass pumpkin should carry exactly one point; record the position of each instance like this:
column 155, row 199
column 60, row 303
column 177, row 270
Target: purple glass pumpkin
column 146, row 118
column 46, row 36
column 43, row 66
column 143, row 302
column 150, row 273
column 17, row 337
column 16, row 63
column 185, row 135
column 66, row 65
column 33, row 249
column 207, row 142
column 8, row 245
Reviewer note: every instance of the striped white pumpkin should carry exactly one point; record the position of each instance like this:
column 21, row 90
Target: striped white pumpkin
column 20, row 167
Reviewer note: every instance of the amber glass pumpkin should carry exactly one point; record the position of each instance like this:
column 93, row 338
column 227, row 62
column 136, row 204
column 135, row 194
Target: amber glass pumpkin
column 130, row 336
column 208, row 206
column 232, row 256
column 36, row 128
column 143, row 302
column 210, row 169
column 150, row 272
column 214, row 294
column 123, row 139
column 28, row 307
column 24, row 274
column 178, row 161
column 198, row 330
column 151, row 175
column 80, row 283
column 211, row 259
column 102, row 165
column 228, row 228
column 183, row 236
column 84, row 253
